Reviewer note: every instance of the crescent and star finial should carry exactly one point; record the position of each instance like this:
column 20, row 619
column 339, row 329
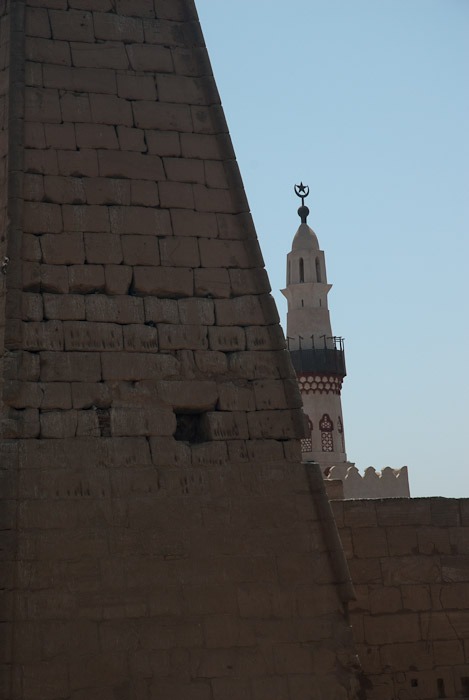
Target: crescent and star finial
column 302, row 191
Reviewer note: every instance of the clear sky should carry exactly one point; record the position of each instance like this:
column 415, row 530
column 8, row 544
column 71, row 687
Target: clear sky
column 367, row 102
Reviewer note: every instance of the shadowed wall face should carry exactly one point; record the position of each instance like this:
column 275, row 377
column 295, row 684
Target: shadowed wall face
column 161, row 537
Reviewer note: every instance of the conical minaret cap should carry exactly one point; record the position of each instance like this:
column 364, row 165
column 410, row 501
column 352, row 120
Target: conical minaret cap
column 305, row 239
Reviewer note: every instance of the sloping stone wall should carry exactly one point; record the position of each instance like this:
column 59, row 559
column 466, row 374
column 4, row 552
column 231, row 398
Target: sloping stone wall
column 409, row 561
column 161, row 538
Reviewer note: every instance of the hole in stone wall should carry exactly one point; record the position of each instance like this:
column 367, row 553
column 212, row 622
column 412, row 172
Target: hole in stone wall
column 414, row 683
column 440, row 686
column 465, row 686
column 188, row 427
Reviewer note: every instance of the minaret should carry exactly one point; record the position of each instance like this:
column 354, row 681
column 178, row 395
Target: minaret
column 317, row 355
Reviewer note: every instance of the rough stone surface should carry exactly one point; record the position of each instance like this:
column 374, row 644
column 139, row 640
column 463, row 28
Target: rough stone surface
column 408, row 559
column 159, row 537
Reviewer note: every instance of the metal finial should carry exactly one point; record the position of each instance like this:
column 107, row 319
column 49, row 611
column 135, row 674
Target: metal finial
column 302, row 191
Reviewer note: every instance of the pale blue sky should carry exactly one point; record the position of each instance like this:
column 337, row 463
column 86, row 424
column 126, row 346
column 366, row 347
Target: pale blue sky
column 367, row 102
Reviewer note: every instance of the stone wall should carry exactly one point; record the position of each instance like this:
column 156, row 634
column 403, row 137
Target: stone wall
column 409, row 561
column 160, row 536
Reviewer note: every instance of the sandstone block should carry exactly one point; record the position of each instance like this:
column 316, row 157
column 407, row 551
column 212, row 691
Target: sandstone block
column 72, row 25
column 184, row 170
column 161, row 310
column 61, row 136
column 48, row 51
column 455, row 568
column 70, row 367
column 136, row 87
column 63, row 249
column 110, row 109
column 107, row 190
column 410, row 569
column 31, row 307
column 131, row 139
column 177, row 253
column 86, row 278
column 87, row 395
column 402, row 511
column 33, row 187
column 401, row 540
column 244, row 281
column 386, row 629
column 227, row 338
column 140, row 338
column 37, row 23
column 196, row 311
column 163, row 281
column 21, row 424
column 86, row 218
column 103, row 248
column 278, row 425
column 144, row 193
column 137, row 366
column 358, row 514
column 213, row 200
column 41, row 217
column 130, row 165
column 222, row 425
column 176, row 11
column 265, row 338
column 193, row 397
column 182, row 337
column 64, row 189
column 91, row 336
column 80, row 164
column 270, row 394
column 66, row 307
column 34, row 135
column 22, row 394
column 58, row 424
column 185, row 89
column 191, row 223
column 161, row 117
column 140, row 250
column 93, row 79
column 204, row 146
column 212, row 282
column 33, row 73
column 39, row 161
column 163, row 143
column 56, row 395
column 210, row 362
column 139, row 220
column 246, row 310
column 258, row 365
column 118, row 279
column 369, row 542
column 103, row 55
column 138, row 421
column 385, row 600
column 111, row 27
column 215, row 175
column 88, row 424
column 176, row 194
column 235, row 397
column 31, row 275
column 42, row 105
column 96, row 136
column 209, row 454
column 416, row 597
column 152, row 58
column 75, row 107
column 116, row 309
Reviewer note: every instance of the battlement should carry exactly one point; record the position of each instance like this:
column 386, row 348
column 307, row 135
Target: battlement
column 389, row 483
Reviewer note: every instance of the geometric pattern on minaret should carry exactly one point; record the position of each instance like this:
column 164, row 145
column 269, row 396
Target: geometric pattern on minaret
column 317, row 355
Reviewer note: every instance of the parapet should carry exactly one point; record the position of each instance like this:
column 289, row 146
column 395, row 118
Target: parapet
column 389, row 483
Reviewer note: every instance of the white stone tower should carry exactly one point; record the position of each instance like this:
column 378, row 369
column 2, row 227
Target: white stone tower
column 317, row 355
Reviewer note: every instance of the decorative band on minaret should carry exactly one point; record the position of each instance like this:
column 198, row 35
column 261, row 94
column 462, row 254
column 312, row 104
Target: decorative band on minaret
column 318, row 356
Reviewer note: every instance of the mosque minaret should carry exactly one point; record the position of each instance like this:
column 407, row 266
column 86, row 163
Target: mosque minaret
column 317, row 355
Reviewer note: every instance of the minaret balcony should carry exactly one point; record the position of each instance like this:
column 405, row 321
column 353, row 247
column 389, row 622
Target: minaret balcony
column 319, row 361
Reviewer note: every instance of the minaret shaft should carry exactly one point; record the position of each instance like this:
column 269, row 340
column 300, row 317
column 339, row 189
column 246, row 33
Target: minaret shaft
column 317, row 355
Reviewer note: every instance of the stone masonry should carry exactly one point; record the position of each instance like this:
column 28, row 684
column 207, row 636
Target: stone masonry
column 160, row 537
column 409, row 560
